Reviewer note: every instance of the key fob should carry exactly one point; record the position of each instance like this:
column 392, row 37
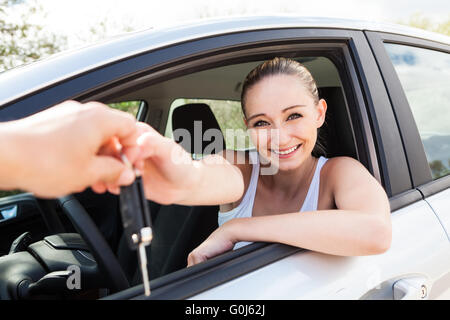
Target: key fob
column 135, row 212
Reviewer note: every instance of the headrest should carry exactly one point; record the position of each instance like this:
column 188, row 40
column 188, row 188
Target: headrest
column 202, row 134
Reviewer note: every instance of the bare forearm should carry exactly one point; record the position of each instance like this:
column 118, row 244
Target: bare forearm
column 215, row 181
column 338, row 232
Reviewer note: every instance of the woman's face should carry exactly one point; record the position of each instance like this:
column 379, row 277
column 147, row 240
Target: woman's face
column 283, row 120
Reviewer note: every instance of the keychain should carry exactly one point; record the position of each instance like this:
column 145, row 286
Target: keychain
column 136, row 220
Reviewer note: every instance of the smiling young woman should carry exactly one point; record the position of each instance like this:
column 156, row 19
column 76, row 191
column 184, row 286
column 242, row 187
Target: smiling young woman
column 333, row 206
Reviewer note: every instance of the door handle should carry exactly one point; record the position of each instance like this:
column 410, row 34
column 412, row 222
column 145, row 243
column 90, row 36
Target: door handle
column 411, row 288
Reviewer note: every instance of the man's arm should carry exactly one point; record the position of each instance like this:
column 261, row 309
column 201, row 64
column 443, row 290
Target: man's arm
column 65, row 149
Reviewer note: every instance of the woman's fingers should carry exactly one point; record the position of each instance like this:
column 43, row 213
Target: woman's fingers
column 195, row 258
column 152, row 144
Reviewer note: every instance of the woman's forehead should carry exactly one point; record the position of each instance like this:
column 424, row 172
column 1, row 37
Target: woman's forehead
column 276, row 93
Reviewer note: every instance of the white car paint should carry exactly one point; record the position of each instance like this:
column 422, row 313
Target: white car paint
column 440, row 202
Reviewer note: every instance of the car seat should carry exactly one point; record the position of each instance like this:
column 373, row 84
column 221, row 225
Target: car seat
column 185, row 117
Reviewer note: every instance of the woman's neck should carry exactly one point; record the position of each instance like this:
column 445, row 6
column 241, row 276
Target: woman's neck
column 289, row 182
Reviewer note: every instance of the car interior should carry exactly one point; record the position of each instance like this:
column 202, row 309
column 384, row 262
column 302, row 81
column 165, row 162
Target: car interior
column 44, row 238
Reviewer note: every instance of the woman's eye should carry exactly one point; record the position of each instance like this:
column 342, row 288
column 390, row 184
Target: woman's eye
column 260, row 123
column 294, row 116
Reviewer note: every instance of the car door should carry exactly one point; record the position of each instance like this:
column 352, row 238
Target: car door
column 19, row 213
column 420, row 98
column 417, row 264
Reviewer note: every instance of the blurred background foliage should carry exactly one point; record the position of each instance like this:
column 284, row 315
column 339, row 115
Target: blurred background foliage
column 127, row 106
column 420, row 21
column 229, row 117
column 22, row 41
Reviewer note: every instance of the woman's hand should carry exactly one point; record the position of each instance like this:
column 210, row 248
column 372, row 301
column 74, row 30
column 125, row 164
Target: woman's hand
column 220, row 241
column 168, row 171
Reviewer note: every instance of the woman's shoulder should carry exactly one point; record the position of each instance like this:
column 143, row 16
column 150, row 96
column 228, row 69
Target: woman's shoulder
column 342, row 162
column 342, row 168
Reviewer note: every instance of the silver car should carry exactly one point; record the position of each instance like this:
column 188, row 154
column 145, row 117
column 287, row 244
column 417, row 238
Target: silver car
column 387, row 88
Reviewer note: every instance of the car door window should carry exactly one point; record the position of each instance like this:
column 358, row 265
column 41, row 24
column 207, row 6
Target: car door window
column 229, row 116
column 132, row 107
column 425, row 77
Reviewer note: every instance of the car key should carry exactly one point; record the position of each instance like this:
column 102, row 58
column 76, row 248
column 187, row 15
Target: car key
column 136, row 220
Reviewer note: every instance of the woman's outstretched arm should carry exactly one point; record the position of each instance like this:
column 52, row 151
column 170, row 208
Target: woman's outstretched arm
column 360, row 226
column 171, row 176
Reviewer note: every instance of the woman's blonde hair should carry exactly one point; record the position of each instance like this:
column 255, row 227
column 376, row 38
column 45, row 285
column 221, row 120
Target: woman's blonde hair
column 285, row 66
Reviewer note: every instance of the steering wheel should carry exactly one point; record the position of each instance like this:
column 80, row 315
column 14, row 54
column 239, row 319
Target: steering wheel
column 106, row 260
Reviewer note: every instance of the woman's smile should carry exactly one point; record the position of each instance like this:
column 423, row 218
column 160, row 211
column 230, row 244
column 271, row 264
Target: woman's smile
column 287, row 152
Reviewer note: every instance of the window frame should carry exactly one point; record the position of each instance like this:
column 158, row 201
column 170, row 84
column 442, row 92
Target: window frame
column 418, row 166
column 240, row 262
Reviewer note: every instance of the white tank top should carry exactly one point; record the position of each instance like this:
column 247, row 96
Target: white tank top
column 245, row 208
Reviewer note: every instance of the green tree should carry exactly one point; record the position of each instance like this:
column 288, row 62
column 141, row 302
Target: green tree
column 22, row 41
column 127, row 106
column 417, row 20
column 438, row 169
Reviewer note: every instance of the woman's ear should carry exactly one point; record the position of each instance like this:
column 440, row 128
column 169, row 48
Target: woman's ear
column 321, row 112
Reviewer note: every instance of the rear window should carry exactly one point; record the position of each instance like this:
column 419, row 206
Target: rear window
column 425, row 78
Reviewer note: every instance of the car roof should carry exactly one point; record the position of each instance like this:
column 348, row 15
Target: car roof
column 28, row 78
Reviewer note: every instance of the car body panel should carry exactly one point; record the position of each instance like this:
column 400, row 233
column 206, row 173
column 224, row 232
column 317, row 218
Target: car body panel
column 312, row 275
column 440, row 202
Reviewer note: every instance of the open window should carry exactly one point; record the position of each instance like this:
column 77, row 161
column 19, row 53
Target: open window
column 212, row 96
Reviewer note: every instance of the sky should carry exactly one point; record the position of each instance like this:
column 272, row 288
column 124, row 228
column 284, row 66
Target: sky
column 76, row 18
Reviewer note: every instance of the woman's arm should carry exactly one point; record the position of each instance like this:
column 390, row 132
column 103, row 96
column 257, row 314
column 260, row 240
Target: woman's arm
column 360, row 226
column 171, row 176
column 217, row 181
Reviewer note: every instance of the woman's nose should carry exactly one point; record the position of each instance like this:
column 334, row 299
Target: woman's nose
column 280, row 137
column 284, row 137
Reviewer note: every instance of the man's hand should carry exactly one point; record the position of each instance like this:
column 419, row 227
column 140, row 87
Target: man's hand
column 67, row 148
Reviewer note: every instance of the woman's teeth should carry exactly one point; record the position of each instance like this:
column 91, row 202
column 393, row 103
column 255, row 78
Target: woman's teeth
column 287, row 151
